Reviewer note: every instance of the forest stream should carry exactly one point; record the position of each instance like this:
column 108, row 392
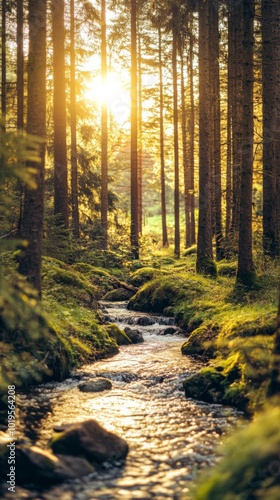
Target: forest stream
column 170, row 437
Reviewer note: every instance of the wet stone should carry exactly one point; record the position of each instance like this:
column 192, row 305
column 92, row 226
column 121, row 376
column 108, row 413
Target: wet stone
column 95, row 385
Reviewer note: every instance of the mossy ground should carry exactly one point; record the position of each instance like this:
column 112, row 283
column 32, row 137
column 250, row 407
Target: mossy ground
column 45, row 340
column 224, row 323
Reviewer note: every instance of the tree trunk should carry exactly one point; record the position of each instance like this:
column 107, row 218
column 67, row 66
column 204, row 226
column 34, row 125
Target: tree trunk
column 33, row 215
column 204, row 246
column 74, row 159
column 104, row 132
column 184, row 145
column 246, row 271
column 191, row 232
column 59, row 114
column 237, row 109
column 3, row 65
column 176, row 140
column 161, row 125
column 134, row 237
column 215, row 87
column 140, row 130
column 20, row 66
column 229, row 135
column 271, row 112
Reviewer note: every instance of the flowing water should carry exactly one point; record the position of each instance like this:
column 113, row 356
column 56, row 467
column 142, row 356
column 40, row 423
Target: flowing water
column 170, row 437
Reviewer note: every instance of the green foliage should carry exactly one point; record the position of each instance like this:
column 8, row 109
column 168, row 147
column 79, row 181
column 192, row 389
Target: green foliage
column 249, row 468
column 30, row 347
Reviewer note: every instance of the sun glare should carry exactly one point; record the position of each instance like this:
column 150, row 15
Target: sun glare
column 113, row 94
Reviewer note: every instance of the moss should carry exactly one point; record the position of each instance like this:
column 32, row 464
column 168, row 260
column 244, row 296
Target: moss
column 164, row 292
column 249, row 467
column 117, row 334
column 207, row 267
column 119, row 294
column 227, row 269
column 200, row 342
column 142, row 275
column 190, row 251
column 216, row 385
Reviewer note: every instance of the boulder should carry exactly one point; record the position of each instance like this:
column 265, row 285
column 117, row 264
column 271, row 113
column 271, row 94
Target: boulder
column 135, row 336
column 97, row 384
column 42, row 467
column 90, row 440
column 170, row 330
column 145, row 321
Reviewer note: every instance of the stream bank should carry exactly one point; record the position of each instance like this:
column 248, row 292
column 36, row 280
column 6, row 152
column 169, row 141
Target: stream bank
column 170, row 437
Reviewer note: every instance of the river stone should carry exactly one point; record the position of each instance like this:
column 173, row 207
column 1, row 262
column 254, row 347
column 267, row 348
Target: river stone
column 42, row 467
column 170, row 330
column 135, row 336
column 90, row 440
column 145, row 321
column 97, row 384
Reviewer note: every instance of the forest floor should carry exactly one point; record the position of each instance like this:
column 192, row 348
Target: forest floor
column 230, row 329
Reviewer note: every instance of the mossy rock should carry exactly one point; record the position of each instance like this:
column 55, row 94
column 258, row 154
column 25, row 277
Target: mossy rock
column 98, row 277
column 141, row 276
column 117, row 334
column 215, row 386
column 200, row 342
column 164, row 292
column 119, row 294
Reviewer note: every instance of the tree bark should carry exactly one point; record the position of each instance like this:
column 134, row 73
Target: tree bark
column 3, row 65
column 246, row 271
column 74, row 158
column 204, row 246
column 104, row 132
column 216, row 107
column 271, row 124
column 59, row 114
column 33, row 214
column 161, row 132
column 134, row 237
column 176, row 139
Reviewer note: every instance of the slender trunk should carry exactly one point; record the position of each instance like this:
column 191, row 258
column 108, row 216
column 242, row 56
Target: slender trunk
column 271, row 110
column 3, row 66
column 237, row 109
column 161, row 125
column 133, row 140
column 140, row 127
column 215, row 84
column 59, row 114
column 204, row 246
column 176, row 142
column 229, row 134
column 74, row 159
column 31, row 260
column 104, row 132
column 191, row 233
column 184, row 144
column 20, row 66
column 246, row 271
column 20, row 97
